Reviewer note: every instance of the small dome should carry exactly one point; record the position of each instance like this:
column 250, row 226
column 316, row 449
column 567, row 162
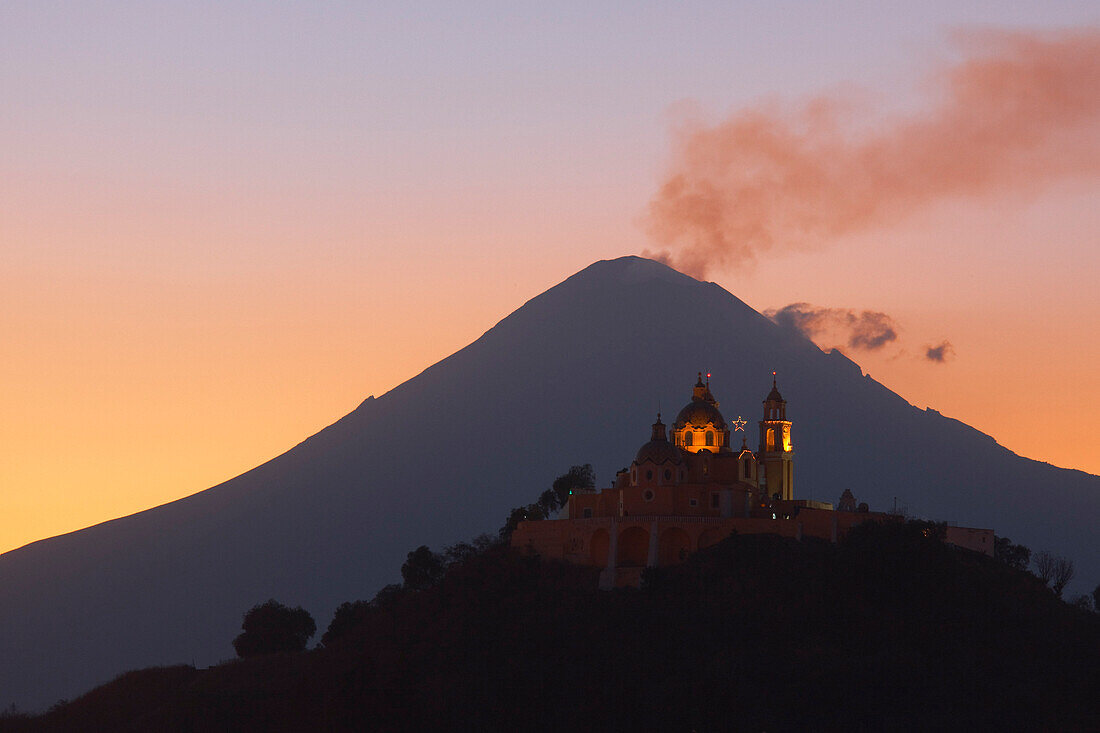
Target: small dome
column 774, row 395
column 659, row 451
column 699, row 413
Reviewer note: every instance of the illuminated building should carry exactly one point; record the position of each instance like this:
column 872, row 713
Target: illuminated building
column 689, row 491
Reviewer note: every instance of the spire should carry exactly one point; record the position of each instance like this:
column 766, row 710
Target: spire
column 658, row 430
column 774, row 395
column 702, row 390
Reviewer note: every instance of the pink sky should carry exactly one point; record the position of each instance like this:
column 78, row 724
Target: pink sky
column 224, row 225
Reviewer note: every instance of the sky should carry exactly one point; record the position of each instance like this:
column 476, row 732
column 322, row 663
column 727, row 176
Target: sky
column 225, row 224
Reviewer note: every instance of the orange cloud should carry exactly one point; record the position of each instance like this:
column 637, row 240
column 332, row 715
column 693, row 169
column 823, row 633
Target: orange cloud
column 866, row 330
column 1020, row 111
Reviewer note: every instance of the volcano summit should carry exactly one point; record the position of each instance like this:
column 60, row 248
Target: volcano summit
column 565, row 379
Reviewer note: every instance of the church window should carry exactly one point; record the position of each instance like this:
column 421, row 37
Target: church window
column 748, row 468
column 668, row 474
column 687, row 438
column 634, row 476
column 648, row 495
column 693, row 502
column 771, row 439
column 710, row 437
column 649, row 475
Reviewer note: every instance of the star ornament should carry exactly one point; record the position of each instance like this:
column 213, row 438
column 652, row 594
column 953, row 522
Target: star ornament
column 738, row 424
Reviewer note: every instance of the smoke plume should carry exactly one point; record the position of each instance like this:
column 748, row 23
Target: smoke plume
column 941, row 353
column 866, row 330
column 1019, row 111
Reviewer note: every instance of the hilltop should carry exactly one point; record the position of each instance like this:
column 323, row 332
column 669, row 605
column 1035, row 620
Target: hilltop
column 889, row 630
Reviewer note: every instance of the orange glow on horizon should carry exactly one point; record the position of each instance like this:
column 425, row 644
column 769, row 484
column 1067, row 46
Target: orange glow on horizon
column 198, row 271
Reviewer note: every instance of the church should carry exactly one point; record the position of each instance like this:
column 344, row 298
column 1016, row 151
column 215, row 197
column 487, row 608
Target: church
column 689, row 487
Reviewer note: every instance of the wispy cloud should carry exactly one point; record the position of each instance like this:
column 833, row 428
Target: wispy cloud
column 1019, row 111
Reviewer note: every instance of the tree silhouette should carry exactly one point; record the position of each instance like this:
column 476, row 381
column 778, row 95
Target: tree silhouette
column 1063, row 573
column 531, row 512
column 577, row 477
column 422, row 569
column 1044, row 566
column 551, row 500
column 271, row 627
column 1015, row 556
column 1054, row 570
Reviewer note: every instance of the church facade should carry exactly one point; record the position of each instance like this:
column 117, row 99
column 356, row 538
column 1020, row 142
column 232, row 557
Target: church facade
column 689, row 487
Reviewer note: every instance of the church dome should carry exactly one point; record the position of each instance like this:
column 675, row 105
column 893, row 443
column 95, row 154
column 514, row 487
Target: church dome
column 659, row 451
column 699, row 413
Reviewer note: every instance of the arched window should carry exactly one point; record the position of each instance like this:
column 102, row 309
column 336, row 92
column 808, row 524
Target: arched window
column 710, row 437
column 687, row 437
column 748, row 468
column 771, row 439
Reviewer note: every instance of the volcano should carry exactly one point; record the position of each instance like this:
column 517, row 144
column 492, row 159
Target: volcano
column 574, row 376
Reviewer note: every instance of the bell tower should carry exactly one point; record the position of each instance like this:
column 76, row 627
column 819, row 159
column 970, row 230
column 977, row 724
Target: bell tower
column 776, row 453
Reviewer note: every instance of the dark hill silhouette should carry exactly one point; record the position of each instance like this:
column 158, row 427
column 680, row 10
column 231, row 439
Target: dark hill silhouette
column 574, row 376
column 890, row 630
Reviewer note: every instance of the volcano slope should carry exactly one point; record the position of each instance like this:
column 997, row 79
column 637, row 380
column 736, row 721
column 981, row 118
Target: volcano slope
column 574, row 376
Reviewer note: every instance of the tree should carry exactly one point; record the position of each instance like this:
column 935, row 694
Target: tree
column 1044, row 566
column 548, row 503
column 1063, row 573
column 531, row 512
column 1015, row 556
column 271, row 628
column 1083, row 602
column 577, row 477
column 349, row 616
column 1054, row 570
column 551, row 500
column 463, row 551
column 422, row 569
